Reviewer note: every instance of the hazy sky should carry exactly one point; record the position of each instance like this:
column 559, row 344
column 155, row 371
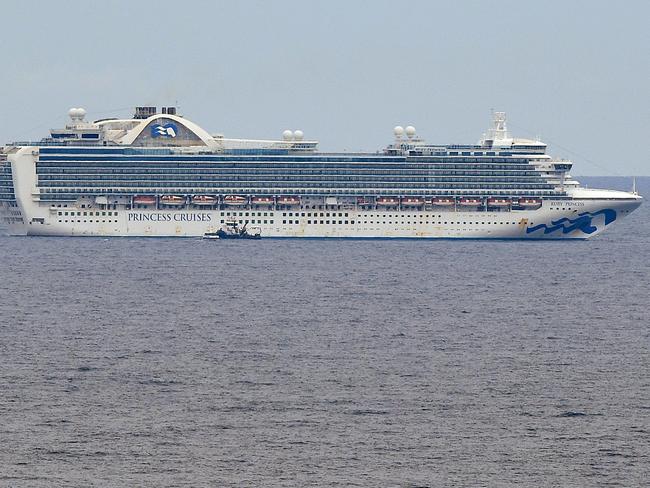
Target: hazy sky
column 576, row 73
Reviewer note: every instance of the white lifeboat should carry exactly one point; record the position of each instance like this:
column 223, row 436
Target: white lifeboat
column 443, row 201
column 262, row 200
column 172, row 200
column 470, row 201
column 204, row 200
column 144, row 200
column 288, row 200
column 387, row 201
column 412, row 202
column 235, row 200
column 498, row 202
column 529, row 202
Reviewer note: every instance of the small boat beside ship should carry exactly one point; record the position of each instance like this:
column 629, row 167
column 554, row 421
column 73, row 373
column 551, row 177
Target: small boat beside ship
column 231, row 230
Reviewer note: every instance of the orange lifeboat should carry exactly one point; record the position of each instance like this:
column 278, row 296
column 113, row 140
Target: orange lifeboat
column 470, row 201
column 262, row 200
column 235, row 200
column 144, row 200
column 288, row 200
column 443, row 201
column 387, row 201
column 172, row 200
column 498, row 202
column 412, row 202
column 529, row 202
column 204, row 200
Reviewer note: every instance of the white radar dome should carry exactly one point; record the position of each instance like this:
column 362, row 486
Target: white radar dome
column 77, row 113
column 298, row 135
column 398, row 131
column 410, row 131
column 287, row 135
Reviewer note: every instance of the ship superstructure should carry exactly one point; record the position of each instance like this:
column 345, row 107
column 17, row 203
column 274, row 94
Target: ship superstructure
column 159, row 174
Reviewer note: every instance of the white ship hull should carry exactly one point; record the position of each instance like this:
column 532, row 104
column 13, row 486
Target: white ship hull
column 561, row 219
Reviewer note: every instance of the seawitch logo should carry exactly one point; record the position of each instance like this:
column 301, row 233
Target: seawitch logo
column 582, row 223
column 167, row 130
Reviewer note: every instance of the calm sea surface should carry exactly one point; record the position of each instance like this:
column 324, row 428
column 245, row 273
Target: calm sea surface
column 181, row 362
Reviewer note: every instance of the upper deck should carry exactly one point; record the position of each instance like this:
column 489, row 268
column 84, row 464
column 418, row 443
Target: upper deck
column 155, row 153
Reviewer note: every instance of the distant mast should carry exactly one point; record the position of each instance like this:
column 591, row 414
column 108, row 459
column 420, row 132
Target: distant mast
column 497, row 135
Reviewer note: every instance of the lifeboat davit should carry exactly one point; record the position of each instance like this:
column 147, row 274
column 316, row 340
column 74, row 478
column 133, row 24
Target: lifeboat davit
column 364, row 201
column 498, row 202
column 172, row 200
column 470, row 201
column 412, row 202
column 443, row 201
column 235, row 200
column 204, row 200
column 288, row 200
column 144, row 200
column 529, row 202
column 387, row 201
column 262, row 200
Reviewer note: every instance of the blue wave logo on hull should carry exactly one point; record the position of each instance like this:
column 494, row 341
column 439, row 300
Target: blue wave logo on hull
column 167, row 130
column 582, row 223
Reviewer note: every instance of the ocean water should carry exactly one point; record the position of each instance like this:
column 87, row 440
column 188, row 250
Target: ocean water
column 182, row 362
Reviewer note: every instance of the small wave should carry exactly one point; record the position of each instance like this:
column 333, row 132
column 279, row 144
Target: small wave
column 160, row 382
column 369, row 412
column 613, row 453
column 57, row 451
column 87, row 368
column 149, row 351
column 254, row 383
column 571, row 413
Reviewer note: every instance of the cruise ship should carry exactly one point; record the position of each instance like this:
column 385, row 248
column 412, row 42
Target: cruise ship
column 158, row 174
